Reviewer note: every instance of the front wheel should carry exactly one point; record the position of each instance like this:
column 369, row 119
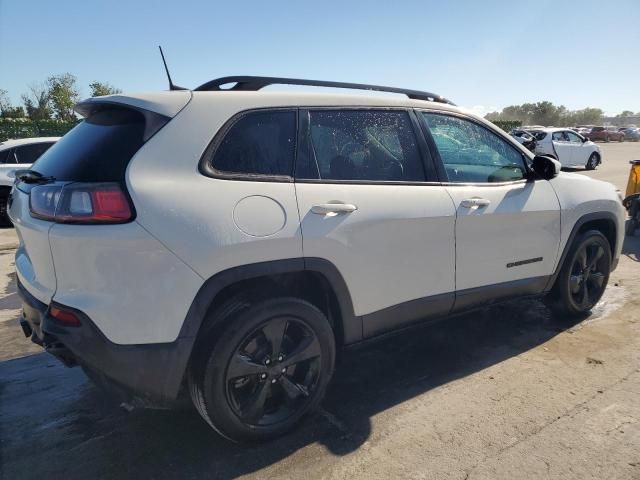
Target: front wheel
column 583, row 276
column 593, row 162
column 271, row 363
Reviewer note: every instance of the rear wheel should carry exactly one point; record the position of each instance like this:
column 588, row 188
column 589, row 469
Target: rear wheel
column 593, row 162
column 268, row 366
column 607, row 139
column 583, row 276
column 621, row 138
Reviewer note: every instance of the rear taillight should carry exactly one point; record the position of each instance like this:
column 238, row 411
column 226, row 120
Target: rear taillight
column 67, row 317
column 80, row 203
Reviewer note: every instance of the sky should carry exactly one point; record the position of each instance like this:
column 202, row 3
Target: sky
column 483, row 55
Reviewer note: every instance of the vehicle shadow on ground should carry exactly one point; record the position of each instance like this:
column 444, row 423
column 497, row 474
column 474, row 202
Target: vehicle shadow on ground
column 53, row 422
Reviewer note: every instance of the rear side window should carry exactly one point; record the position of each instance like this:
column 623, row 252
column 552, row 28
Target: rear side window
column 258, row 143
column 364, row 145
column 30, row 153
column 98, row 149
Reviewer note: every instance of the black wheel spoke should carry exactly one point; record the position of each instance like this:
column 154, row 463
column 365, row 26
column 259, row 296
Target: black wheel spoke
column 596, row 254
column 293, row 390
column 584, row 297
column 242, row 365
column 597, row 279
column 308, row 348
column 274, row 333
column 582, row 258
column 253, row 408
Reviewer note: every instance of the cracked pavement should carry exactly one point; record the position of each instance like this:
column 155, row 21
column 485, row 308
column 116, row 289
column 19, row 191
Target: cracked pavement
column 506, row 392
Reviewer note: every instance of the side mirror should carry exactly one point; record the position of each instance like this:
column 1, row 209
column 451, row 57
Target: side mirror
column 585, row 139
column 546, row 167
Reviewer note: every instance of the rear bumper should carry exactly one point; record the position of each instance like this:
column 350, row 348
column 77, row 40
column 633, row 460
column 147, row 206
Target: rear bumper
column 148, row 375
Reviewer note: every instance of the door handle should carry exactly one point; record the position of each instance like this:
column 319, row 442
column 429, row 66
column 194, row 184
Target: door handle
column 475, row 202
column 326, row 208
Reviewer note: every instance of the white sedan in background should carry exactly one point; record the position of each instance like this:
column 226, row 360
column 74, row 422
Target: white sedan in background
column 15, row 155
column 569, row 148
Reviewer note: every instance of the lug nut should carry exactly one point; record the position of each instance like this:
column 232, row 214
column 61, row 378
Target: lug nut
column 273, row 380
column 284, row 370
column 280, row 357
column 267, row 362
column 263, row 376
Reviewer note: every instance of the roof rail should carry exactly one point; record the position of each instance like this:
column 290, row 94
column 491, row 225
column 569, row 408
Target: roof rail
column 251, row 83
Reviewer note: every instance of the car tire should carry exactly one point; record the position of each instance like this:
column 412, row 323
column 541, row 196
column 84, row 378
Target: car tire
column 607, row 139
column 593, row 161
column 250, row 378
column 4, row 214
column 583, row 276
column 621, row 138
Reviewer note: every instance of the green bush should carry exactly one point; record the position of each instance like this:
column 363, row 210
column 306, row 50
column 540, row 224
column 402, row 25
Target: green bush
column 12, row 128
column 507, row 125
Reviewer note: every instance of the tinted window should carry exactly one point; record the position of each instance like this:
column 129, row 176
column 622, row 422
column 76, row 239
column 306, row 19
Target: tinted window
column 259, row 143
column 597, row 129
column 472, row 153
column 98, row 149
column 6, row 156
column 364, row 145
column 30, row 153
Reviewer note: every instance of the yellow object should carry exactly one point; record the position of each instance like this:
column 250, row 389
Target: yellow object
column 633, row 186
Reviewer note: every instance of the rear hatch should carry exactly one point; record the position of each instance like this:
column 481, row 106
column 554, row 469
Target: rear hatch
column 81, row 179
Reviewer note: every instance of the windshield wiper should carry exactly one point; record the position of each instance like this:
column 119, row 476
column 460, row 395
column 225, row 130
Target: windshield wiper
column 31, row 176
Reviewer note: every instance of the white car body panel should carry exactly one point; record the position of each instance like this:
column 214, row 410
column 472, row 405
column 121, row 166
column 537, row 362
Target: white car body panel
column 134, row 289
column 397, row 232
column 521, row 222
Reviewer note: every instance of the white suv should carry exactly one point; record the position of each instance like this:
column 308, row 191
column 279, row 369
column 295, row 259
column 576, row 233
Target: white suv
column 224, row 243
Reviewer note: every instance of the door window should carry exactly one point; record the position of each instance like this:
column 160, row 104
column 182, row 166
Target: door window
column 573, row 138
column 472, row 153
column 363, row 145
column 560, row 137
column 259, row 143
column 30, row 153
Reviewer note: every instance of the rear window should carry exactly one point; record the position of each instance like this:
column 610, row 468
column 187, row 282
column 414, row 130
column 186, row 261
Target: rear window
column 27, row 154
column 98, row 149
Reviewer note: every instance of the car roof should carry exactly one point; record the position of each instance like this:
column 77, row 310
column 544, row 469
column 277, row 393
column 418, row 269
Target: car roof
column 26, row 141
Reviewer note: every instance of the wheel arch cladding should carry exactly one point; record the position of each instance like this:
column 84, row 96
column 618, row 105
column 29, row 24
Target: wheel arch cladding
column 604, row 222
column 316, row 280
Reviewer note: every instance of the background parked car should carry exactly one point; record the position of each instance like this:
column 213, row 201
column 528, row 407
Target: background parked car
column 525, row 138
column 606, row 134
column 14, row 155
column 569, row 148
column 631, row 133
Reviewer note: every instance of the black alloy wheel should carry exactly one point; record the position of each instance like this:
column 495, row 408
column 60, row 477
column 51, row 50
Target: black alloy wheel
column 262, row 367
column 272, row 372
column 584, row 275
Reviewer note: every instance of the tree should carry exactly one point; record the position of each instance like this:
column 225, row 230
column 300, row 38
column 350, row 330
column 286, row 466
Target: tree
column 63, row 95
column 6, row 109
column 546, row 113
column 99, row 89
column 36, row 102
column 626, row 113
